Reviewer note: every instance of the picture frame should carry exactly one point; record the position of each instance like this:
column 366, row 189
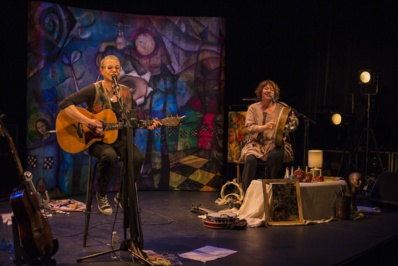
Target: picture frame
column 282, row 202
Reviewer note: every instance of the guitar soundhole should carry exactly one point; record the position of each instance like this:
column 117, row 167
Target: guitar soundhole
column 89, row 135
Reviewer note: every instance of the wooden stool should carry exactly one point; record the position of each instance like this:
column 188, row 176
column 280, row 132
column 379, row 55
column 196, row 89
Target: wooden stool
column 91, row 171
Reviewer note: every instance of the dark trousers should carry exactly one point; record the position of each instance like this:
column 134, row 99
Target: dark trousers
column 272, row 166
column 108, row 156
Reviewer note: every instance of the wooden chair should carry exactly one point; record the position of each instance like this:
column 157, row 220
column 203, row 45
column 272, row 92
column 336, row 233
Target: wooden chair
column 236, row 133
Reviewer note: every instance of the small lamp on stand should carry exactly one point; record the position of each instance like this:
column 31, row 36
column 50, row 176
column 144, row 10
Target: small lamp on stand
column 315, row 162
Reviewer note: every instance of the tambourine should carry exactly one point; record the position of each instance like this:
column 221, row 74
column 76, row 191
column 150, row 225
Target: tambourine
column 220, row 220
column 284, row 124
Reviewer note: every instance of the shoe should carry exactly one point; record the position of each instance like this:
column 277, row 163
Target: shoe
column 119, row 201
column 103, row 205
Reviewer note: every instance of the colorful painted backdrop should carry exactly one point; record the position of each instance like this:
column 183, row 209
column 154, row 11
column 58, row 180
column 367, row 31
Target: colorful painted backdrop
column 176, row 64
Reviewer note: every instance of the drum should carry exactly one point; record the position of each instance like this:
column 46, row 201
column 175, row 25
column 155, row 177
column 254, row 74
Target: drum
column 220, row 220
column 280, row 130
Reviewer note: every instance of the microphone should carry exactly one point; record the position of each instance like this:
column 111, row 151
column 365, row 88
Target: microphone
column 114, row 78
column 273, row 98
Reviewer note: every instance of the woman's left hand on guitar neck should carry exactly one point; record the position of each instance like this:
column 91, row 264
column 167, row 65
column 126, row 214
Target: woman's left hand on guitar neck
column 156, row 124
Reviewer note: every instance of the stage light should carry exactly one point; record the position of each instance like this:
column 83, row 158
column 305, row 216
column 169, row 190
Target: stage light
column 364, row 77
column 341, row 119
column 369, row 85
column 368, row 82
column 336, row 119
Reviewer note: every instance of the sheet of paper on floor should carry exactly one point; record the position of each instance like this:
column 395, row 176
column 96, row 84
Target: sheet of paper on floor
column 207, row 253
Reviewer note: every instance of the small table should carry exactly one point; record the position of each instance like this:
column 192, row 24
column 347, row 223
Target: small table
column 318, row 201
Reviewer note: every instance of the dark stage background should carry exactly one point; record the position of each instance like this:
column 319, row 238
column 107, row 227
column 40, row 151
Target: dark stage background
column 312, row 49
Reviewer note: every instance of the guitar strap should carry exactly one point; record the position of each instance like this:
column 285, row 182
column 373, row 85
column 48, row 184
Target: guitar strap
column 101, row 101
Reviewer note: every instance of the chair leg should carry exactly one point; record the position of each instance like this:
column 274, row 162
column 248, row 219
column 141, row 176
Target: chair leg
column 89, row 199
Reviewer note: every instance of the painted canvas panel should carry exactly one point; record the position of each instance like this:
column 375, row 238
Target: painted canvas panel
column 173, row 65
column 282, row 202
column 237, row 135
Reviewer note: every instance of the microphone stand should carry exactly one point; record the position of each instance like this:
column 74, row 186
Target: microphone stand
column 307, row 121
column 306, row 136
column 131, row 211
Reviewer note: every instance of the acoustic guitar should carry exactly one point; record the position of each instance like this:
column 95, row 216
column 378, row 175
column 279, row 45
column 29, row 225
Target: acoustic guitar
column 43, row 201
column 74, row 137
column 34, row 230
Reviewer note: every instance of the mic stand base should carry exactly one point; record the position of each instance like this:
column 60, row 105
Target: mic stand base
column 126, row 245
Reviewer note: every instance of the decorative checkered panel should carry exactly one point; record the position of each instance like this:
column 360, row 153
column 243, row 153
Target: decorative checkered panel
column 193, row 173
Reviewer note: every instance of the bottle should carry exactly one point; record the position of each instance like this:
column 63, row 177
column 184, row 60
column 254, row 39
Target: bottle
column 308, row 175
column 115, row 245
column 287, row 173
column 291, row 173
column 299, row 174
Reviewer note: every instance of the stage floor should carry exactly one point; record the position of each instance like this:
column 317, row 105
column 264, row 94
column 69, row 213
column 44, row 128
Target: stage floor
column 170, row 227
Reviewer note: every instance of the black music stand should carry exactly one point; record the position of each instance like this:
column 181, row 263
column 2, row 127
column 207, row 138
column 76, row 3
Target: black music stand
column 131, row 217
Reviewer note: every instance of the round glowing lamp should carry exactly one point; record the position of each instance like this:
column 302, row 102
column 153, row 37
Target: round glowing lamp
column 336, row 119
column 365, row 77
column 315, row 162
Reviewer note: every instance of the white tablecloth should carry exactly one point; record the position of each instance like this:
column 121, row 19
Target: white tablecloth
column 318, row 201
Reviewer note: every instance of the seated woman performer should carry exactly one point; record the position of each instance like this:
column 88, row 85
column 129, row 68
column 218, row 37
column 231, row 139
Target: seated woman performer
column 263, row 120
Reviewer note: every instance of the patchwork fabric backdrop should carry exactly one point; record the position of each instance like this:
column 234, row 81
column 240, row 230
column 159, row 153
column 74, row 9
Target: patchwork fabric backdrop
column 176, row 64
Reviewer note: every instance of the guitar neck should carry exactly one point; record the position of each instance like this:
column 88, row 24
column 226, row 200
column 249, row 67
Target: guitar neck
column 18, row 164
column 168, row 121
column 17, row 161
column 120, row 125
column 144, row 123
column 13, row 150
